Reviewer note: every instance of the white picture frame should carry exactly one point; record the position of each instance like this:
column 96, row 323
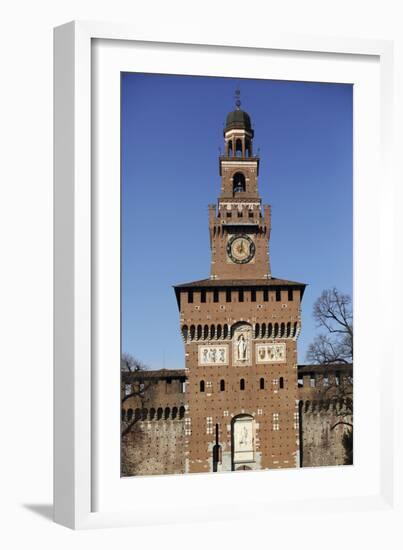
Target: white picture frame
column 87, row 489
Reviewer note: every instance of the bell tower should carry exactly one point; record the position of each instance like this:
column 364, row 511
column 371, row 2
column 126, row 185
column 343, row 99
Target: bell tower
column 239, row 225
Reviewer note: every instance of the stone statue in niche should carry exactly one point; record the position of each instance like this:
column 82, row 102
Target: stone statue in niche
column 241, row 345
column 241, row 348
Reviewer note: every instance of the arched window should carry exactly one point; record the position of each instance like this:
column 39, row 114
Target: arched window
column 261, row 384
column 152, row 414
column 129, row 414
column 181, row 411
column 239, row 183
column 281, row 382
column 219, row 331
column 167, row 412
column 201, row 385
column 144, row 413
column 222, row 385
column 174, row 412
column 230, row 148
column 238, row 148
column 159, row 413
column 242, row 384
column 123, row 414
column 192, row 332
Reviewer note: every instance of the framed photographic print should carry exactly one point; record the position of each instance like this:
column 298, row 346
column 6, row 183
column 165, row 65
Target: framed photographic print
column 219, row 220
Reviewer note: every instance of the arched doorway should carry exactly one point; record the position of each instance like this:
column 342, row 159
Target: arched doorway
column 243, row 442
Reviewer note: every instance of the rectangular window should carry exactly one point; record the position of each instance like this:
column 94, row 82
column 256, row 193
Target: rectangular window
column 203, row 296
column 278, row 295
column 250, row 214
column 128, row 389
column 240, row 297
column 240, row 214
column 253, row 295
column 228, row 295
column 190, row 297
column 290, row 295
column 215, row 296
column 300, row 382
column 265, row 295
column 312, row 381
column 229, row 214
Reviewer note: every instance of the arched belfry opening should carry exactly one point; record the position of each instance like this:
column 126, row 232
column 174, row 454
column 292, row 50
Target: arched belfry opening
column 238, row 148
column 238, row 183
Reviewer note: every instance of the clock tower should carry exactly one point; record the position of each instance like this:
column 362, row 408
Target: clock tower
column 239, row 227
column 240, row 328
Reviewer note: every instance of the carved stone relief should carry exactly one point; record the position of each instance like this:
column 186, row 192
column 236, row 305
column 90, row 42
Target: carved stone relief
column 213, row 355
column 270, row 353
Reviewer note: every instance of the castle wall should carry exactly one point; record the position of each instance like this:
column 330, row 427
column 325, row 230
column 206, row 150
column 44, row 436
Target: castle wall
column 322, row 440
column 154, row 447
column 159, row 440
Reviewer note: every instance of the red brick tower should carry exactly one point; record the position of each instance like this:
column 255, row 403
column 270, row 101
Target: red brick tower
column 240, row 329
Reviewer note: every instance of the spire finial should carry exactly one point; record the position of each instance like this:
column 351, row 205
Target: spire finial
column 238, row 98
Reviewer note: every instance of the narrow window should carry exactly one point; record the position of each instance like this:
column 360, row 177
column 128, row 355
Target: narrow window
column 325, row 381
column 240, row 296
column 253, row 295
column 261, row 384
column 337, row 378
column 190, row 297
column 240, row 214
column 215, row 296
column 201, row 385
column 228, row 295
column 278, row 295
column 222, row 385
column 281, row 382
column 250, row 214
column 290, row 295
column 312, row 381
column 265, row 295
column 300, row 382
column 203, row 296
column 242, row 384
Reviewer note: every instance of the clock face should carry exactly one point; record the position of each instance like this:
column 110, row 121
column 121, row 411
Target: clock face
column 240, row 249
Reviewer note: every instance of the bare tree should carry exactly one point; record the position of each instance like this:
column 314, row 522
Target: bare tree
column 140, row 388
column 332, row 312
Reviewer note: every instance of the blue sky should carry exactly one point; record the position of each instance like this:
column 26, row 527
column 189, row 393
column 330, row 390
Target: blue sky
column 171, row 134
